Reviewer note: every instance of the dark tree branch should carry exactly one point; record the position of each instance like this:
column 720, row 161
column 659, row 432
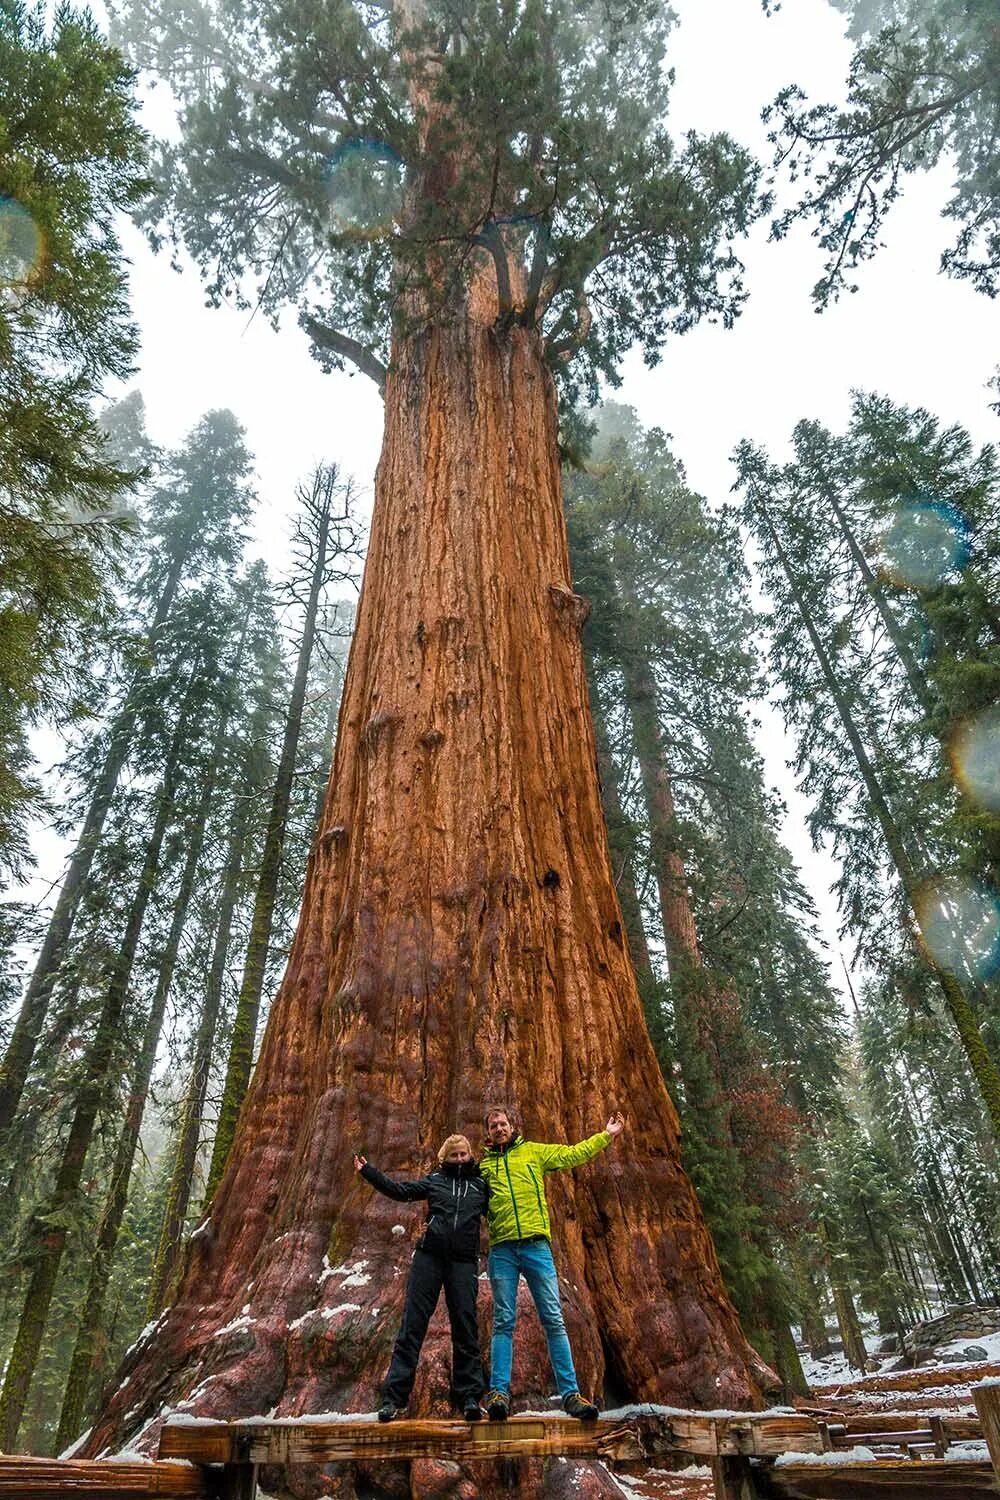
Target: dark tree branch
column 492, row 240
column 345, row 347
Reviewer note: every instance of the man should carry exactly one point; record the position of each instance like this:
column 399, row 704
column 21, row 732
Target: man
column 518, row 1222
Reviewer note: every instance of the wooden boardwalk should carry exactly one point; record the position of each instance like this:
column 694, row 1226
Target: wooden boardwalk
column 915, row 1459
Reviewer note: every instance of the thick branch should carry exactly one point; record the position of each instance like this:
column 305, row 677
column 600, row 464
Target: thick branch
column 564, row 349
column 345, row 347
column 492, row 240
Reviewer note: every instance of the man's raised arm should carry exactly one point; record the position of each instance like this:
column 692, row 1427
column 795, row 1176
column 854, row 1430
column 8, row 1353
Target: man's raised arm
column 554, row 1158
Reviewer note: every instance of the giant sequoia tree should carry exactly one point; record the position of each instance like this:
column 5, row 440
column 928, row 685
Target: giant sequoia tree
column 458, row 198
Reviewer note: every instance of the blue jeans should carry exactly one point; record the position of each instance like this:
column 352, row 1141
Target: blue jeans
column 507, row 1264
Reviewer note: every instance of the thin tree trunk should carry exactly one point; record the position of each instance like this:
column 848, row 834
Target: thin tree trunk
column 52, row 1239
column 811, row 1309
column 31, row 1017
column 985, row 1071
column 78, row 1380
column 618, row 838
column 919, row 686
column 179, row 1192
column 244, row 1033
column 460, row 941
column 693, row 990
column 847, row 1318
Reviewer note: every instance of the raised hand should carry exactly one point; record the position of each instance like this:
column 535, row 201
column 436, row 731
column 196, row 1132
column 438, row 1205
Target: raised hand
column 359, row 1162
column 616, row 1124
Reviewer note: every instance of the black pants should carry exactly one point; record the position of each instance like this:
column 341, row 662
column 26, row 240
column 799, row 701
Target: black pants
column 460, row 1279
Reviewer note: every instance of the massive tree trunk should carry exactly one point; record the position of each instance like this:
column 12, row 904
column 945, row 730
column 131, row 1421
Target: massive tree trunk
column 460, row 942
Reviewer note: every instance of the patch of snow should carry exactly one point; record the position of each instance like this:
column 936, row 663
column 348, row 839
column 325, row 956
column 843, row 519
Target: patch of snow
column 837, row 1456
column 693, row 1471
column 398, row 1229
column 990, row 1342
column 990, row 1380
column 324, row 1312
column 240, row 1322
column 973, row 1449
column 146, row 1333
column 356, row 1278
column 188, row 1419
column 75, row 1446
column 198, row 1390
column 320, row 1416
column 195, row 1233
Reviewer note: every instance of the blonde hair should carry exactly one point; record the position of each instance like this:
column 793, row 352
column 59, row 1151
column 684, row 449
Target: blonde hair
column 452, row 1144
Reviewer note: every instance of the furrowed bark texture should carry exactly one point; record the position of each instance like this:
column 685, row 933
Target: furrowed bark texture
column 460, row 941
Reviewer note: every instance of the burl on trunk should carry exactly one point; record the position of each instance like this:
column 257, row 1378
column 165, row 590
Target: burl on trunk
column 460, row 942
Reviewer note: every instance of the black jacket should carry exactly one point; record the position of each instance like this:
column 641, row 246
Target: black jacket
column 456, row 1197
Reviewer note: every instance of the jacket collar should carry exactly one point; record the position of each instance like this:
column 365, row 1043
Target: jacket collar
column 460, row 1168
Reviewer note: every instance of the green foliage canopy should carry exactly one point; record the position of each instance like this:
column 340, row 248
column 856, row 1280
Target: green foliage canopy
column 358, row 160
column 70, row 158
column 924, row 85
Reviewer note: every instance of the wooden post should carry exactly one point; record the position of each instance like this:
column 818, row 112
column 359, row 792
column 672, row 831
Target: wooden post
column 239, row 1476
column 733, row 1478
column 987, row 1399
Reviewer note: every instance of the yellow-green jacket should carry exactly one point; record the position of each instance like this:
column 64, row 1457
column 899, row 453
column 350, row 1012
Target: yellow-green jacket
column 515, row 1178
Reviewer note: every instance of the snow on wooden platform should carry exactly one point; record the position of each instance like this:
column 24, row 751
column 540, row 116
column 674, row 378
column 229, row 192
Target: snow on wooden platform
column 623, row 1438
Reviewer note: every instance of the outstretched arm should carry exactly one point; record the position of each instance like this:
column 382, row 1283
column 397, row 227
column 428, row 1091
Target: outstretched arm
column 554, row 1158
column 402, row 1192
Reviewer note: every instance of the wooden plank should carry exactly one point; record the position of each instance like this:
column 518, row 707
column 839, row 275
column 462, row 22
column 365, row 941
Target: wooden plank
column 848, row 1430
column 636, row 1437
column 198, row 1442
column 901, row 1478
column 987, row 1399
column 524, row 1438
column 56, row 1478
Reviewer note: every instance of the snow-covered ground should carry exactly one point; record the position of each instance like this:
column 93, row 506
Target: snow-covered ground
column 834, row 1368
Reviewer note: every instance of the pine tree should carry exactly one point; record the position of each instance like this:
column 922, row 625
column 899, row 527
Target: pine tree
column 250, row 613
column 194, row 519
column 924, row 86
column 71, row 159
column 812, row 649
column 326, row 542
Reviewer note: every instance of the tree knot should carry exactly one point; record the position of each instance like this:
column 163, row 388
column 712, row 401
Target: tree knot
column 573, row 607
column 378, row 725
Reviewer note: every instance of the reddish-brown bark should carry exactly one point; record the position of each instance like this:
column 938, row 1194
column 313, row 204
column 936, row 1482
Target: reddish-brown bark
column 460, row 941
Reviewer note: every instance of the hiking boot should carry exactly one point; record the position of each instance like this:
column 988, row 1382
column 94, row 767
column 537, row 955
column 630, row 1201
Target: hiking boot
column 577, row 1406
column 497, row 1406
column 472, row 1412
column 388, row 1413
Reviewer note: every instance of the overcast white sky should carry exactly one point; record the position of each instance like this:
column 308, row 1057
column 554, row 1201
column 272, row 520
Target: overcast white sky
column 909, row 332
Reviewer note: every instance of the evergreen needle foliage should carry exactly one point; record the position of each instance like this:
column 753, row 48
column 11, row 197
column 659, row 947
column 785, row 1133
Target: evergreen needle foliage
column 924, row 85
column 71, row 158
column 361, row 161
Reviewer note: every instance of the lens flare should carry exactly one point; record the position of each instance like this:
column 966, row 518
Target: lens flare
column 975, row 758
column 960, row 925
column 21, row 245
column 926, row 544
column 364, row 188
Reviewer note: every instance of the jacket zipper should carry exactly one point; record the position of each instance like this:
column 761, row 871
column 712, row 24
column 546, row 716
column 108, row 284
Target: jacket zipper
column 531, row 1172
column 513, row 1200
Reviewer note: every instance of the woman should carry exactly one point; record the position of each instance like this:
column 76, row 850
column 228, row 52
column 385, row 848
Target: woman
column 446, row 1255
